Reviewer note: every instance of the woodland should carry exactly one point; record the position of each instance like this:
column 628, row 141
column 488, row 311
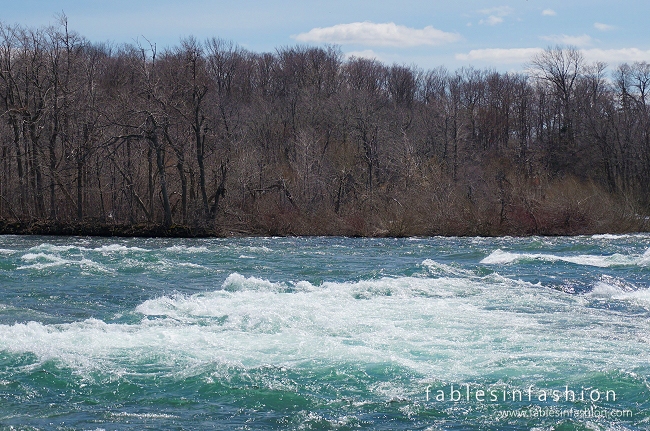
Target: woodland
column 206, row 138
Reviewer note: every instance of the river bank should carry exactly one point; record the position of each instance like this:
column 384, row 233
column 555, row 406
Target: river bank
column 351, row 227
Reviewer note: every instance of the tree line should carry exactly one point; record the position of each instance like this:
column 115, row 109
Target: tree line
column 209, row 137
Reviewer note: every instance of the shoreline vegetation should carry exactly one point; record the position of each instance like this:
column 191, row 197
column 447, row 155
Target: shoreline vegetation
column 208, row 139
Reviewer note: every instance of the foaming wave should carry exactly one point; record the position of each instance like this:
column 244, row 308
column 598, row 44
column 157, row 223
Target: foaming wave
column 232, row 306
column 365, row 289
column 500, row 257
column 116, row 248
column 437, row 268
column 53, row 248
column 258, row 249
column 611, row 236
column 46, row 260
column 144, row 415
column 187, row 249
column 261, row 323
column 191, row 265
column 447, row 326
column 237, row 282
column 104, row 249
column 645, row 259
column 614, row 288
column 157, row 264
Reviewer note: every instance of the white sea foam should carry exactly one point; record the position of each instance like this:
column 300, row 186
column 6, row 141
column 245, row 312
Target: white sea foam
column 236, row 282
column 438, row 268
column 258, row 249
column 191, row 265
column 105, row 249
column 452, row 326
column 611, row 236
column 187, row 249
column 158, row 265
column 500, row 257
column 614, row 288
column 645, row 259
column 53, row 248
column 116, row 248
column 144, row 415
column 46, row 260
column 88, row 264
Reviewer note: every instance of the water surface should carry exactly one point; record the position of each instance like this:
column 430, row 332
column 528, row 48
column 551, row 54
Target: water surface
column 325, row 333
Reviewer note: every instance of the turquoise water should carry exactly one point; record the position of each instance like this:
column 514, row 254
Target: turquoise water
column 325, row 333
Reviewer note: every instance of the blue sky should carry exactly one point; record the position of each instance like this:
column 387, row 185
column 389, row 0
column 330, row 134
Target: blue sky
column 496, row 34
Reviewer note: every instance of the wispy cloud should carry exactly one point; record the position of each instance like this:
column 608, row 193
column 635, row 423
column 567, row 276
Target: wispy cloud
column 549, row 12
column 366, row 53
column 616, row 56
column 498, row 11
column 500, row 55
column 563, row 39
column 491, row 20
column 522, row 55
column 495, row 14
column 603, row 27
column 373, row 34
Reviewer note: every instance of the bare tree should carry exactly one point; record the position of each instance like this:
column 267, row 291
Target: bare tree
column 560, row 68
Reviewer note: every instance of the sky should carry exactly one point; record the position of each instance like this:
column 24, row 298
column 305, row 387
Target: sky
column 501, row 35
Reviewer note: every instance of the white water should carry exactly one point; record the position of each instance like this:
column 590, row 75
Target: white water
column 447, row 327
column 602, row 261
column 343, row 328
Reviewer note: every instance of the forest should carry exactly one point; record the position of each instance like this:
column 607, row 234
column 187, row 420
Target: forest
column 207, row 138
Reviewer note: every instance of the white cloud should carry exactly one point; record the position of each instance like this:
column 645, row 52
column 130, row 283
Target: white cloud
column 563, row 39
column 603, row 27
column 372, row 34
column 616, row 56
column 549, row 12
column 500, row 55
column 523, row 55
column 366, row 53
column 496, row 14
column 491, row 20
column 498, row 11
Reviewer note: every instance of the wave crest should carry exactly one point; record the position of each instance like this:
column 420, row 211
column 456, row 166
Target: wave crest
column 500, row 257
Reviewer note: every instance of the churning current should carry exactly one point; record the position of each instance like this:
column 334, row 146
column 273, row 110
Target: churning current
column 325, row 333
